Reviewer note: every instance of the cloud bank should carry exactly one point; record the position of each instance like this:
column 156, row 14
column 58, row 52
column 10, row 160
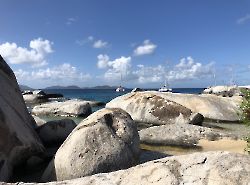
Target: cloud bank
column 65, row 73
column 35, row 55
column 186, row 69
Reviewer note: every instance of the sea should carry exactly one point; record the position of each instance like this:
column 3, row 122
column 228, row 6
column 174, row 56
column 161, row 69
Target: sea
column 106, row 95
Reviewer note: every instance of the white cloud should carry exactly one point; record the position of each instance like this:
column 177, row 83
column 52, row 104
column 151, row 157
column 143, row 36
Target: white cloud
column 70, row 20
column 149, row 74
column 116, row 68
column 65, row 72
column 103, row 61
column 244, row 19
column 85, row 41
column 100, row 44
column 36, row 55
column 188, row 69
column 146, row 48
column 21, row 74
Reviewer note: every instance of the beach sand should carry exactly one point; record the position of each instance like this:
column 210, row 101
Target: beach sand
column 237, row 146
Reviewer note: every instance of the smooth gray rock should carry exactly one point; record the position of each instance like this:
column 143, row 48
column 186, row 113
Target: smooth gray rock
column 149, row 108
column 209, row 105
column 55, row 132
column 209, row 168
column 180, row 135
column 18, row 139
column 67, row 108
column 34, row 98
column 105, row 141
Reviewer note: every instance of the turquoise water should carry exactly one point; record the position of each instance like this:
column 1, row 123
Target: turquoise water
column 106, row 95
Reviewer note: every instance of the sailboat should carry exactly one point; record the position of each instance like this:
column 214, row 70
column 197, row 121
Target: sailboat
column 120, row 88
column 165, row 88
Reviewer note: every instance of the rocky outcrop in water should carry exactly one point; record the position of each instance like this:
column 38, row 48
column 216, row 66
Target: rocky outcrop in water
column 67, row 108
column 38, row 96
column 105, row 141
column 18, row 140
column 35, row 98
column 150, row 108
column 215, row 168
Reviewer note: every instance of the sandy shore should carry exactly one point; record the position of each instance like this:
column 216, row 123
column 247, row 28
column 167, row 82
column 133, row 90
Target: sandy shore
column 237, row 146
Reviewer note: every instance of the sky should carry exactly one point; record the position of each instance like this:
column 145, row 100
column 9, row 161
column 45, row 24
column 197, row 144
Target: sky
column 135, row 43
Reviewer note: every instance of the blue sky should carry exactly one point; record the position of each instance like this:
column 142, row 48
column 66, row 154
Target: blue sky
column 141, row 43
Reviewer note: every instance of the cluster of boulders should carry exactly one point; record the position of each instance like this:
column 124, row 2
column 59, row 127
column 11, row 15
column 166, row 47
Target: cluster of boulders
column 108, row 140
column 176, row 119
column 38, row 96
column 225, row 91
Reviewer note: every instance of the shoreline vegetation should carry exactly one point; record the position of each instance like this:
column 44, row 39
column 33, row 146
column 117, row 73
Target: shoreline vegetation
column 245, row 118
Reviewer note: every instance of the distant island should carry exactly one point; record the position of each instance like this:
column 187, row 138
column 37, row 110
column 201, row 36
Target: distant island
column 77, row 87
column 63, row 87
column 25, row 87
column 101, row 87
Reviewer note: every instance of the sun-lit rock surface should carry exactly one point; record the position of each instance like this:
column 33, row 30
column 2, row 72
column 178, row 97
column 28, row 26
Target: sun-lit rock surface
column 150, row 108
column 66, row 108
column 105, row 141
column 210, row 106
column 215, row 168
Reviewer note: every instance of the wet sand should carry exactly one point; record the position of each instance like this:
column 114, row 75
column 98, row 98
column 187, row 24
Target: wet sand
column 237, row 146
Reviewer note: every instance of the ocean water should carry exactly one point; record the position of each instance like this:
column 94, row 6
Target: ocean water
column 106, row 95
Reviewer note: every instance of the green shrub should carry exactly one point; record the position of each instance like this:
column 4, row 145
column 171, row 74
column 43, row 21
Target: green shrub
column 248, row 145
column 245, row 107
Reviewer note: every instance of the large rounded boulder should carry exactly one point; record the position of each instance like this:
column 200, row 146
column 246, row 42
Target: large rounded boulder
column 18, row 139
column 56, row 131
column 209, row 105
column 149, row 108
column 67, row 108
column 105, row 141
